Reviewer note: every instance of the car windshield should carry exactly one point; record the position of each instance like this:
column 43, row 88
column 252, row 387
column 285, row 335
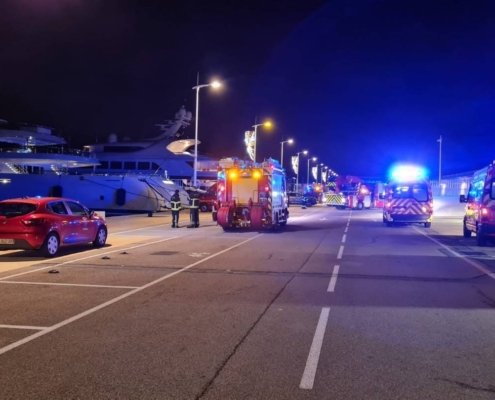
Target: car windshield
column 16, row 209
column 417, row 191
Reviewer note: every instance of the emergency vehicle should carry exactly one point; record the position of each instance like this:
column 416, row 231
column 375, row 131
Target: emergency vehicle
column 251, row 195
column 480, row 207
column 349, row 192
column 408, row 198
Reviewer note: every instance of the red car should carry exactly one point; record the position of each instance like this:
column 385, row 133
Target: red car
column 48, row 223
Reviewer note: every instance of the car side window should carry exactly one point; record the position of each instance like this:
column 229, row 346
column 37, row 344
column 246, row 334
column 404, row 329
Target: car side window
column 77, row 209
column 492, row 190
column 58, row 207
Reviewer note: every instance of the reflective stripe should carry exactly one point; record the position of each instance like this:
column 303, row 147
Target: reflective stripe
column 175, row 205
column 194, row 203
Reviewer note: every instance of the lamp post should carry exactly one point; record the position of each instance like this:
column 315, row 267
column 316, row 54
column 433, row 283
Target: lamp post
column 266, row 124
column 214, row 85
column 290, row 141
column 305, row 152
column 307, row 175
column 439, row 140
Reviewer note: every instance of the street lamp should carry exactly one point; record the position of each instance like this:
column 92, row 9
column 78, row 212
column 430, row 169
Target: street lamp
column 307, row 176
column 305, row 152
column 290, row 141
column 266, row 124
column 214, row 85
column 439, row 140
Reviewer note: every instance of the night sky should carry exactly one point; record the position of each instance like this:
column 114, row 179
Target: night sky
column 361, row 84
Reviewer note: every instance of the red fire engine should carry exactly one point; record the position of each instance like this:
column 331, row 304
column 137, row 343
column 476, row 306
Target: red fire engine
column 251, row 195
column 349, row 192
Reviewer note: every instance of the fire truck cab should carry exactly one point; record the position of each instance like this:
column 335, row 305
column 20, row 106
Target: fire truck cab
column 408, row 198
column 480, row 207
column 251, row 195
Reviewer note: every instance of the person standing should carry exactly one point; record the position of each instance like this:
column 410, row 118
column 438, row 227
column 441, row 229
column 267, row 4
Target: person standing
column 175, row 206
column 194, row 209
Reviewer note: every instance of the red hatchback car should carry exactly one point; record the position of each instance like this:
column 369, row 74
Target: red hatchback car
column 48, row 223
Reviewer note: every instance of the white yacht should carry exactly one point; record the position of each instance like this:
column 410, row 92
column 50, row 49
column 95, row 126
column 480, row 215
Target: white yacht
column 116, row 176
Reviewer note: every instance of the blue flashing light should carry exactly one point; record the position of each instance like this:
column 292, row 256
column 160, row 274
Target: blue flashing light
column 408, row 173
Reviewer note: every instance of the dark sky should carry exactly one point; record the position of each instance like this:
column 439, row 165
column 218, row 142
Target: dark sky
column 360, row 84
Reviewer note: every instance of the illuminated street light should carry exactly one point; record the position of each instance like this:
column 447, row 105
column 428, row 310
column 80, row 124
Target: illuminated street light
column 266, row 124
column 214, row 85
column 290, row 141
column 305, row 152
column 307, row 176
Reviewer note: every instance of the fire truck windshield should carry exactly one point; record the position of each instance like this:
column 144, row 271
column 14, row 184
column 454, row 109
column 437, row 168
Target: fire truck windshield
column 417, row 191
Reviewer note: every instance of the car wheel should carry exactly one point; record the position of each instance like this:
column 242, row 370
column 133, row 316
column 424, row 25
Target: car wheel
column 101, row 237
column 360, row 205
column 465, row 231
column 51, row 245
column 203, row 207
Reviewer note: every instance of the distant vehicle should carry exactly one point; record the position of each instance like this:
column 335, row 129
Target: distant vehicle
column 480, row 208
column 349, row 192
column 48, row 223
column 408, row 198
column 251, row 195
column 208, row 199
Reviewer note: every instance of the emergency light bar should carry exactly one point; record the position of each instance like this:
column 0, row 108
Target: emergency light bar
column 407, row 173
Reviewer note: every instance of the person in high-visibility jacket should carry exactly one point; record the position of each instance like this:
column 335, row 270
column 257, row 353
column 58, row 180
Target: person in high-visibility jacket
column 175, row 206
column 194, row 209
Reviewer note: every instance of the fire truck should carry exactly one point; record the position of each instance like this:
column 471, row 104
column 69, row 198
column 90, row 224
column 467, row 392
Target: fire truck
column 408, row 197
column 348, row 192
column 251, row 195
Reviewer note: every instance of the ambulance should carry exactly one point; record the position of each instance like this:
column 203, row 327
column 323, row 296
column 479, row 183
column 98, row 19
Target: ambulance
column 480, row 207
column 251, row 195
column 408, row 198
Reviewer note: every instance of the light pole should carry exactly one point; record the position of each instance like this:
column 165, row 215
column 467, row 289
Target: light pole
column 266, row 124
column 305, row 152
column 290, row 141
column 439, row 140
column 214, row 85
column 307, row 175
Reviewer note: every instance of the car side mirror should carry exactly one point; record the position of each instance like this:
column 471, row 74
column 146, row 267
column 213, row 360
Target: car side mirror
column 91, row 214
column 462, row 198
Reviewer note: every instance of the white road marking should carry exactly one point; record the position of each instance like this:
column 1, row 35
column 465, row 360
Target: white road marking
column 69, row 284
column 341, row 251
column 333, row 279
column 88, row 257
column 346, row 229
column 309, row 373
column 198, row 255
column 61, row 324
column 344, row 237
column 473, row 263
column 34, row 328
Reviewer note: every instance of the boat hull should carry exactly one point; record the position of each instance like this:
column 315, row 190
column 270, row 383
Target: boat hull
column 112, row 193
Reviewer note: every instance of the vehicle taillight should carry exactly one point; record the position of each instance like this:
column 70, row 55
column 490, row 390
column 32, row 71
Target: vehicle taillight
column 485, row 212
column 33, row 221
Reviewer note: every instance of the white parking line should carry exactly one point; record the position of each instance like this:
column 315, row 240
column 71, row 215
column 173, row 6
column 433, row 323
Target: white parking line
column 35, row 328
column 309, row 373
column 473, row 263
column 333, row 279
column 344, row 237
column 341, row 251
column 69, row 284
column 61, row 324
